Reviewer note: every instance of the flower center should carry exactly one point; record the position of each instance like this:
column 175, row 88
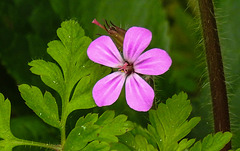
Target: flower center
column 127, row 68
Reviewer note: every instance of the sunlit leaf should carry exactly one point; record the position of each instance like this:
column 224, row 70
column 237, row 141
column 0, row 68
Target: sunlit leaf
column 96, row 145
column 130, row 142
column 5, row 111
column 184, row 144
column 82, row 96
column 80, row 136
column 50, row 74
column 6, row 145
column 212, row 142
column 110, row 126
column 44, row 106
column 75, row 74
column 169, row 122
column 6, row 136
column 142, row 144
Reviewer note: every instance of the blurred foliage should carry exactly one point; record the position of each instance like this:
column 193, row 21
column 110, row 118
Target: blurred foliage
column 26, row 26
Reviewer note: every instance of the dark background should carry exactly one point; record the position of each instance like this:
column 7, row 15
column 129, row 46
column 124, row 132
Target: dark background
column 26, row 26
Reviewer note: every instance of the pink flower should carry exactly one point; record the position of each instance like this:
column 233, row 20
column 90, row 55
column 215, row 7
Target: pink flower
column 139, row 94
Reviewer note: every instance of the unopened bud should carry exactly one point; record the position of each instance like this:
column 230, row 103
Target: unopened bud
column 116, row 33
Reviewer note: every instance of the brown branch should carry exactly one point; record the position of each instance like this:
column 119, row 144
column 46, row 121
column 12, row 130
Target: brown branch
column 215, row 68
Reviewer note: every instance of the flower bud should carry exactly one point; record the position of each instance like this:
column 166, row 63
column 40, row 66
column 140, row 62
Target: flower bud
column 116, row 33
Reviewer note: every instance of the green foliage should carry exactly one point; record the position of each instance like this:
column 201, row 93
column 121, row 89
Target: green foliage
column 25, row 32
column 75, row 69
column 72, row 78
column 5, row 132
column 44, row 106
column 169, row 123
column 50, row 74
column 93, row 129
column 5, row 110
column 168, row 128
column 134, row 142
column 212, row 142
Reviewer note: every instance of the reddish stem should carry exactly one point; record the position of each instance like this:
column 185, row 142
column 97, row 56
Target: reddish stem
column 215, row 68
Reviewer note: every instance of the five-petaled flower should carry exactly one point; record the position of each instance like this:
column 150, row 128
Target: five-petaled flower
column 139, row 94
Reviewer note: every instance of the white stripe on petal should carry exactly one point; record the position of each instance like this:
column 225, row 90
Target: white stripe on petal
column 153, row 62
column 139, row 94
column 103, row 51
column 136, row 40
column 107, row 90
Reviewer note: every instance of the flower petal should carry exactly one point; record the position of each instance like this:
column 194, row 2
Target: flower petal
column 139, row 94
column 153, row 62
column 136, row 40
column 103, row 51
column 107, row 90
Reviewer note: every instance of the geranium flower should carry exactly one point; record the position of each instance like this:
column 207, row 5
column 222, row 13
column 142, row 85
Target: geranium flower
column 139, row 94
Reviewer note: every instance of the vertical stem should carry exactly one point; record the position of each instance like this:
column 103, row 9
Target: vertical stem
column 64, row 117
column 63, row 129
column 215, row 68
column 65, row 100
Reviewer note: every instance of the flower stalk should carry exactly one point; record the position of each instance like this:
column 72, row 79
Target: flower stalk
column 215, row 68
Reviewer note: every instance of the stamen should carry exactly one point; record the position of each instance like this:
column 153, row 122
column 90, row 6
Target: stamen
column 126, row 68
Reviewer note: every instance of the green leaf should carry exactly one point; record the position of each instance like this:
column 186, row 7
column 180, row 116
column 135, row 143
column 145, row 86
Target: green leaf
column 96, row 145
column 90, row 118
column 169, row 122
column 134, row 142
column 138, row 130
column 6, row 145
column 5, row 111
column 70, row 52
column 142, row 144
column 75, row 76
column 82, row 96
column 69, row 31
column 50, row 74
column 44, row 106
column 5, row 132
column 77, row 70
column 184, row 144
column 80, row 136
column 106, row 128
column 110, row 126
column 212, row 142
column 119, row 147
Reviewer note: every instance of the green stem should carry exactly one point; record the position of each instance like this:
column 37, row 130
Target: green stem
column 21, row 142
column 63, row 121
column 215, row 68
column 65, row 100
column 63, row 127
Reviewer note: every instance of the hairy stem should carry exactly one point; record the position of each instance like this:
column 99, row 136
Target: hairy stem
column 215, row 68
column 21, row 142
